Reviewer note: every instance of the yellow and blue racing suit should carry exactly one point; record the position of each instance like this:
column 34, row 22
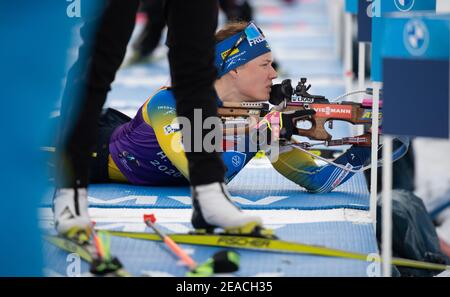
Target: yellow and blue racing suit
column 148, row 151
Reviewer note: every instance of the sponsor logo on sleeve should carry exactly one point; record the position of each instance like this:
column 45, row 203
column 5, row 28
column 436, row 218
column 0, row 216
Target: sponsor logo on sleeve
column 171, row 128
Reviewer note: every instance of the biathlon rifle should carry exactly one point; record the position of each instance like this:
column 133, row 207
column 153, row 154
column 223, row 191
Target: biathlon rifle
column 285, row 98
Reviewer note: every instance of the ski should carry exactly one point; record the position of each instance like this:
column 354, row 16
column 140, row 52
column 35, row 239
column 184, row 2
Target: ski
column 263, row 244
column 88, row 252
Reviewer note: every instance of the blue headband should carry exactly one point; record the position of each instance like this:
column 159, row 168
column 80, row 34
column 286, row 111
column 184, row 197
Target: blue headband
column 245, row 45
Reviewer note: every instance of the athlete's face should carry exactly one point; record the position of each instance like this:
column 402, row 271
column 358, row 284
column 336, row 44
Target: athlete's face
column 254, row 79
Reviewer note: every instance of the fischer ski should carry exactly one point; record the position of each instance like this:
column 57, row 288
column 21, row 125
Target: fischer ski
column 102, row 263
column 264, row 244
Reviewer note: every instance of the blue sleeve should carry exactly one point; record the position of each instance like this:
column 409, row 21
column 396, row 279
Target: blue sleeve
column 301, row 168
column 237, row 153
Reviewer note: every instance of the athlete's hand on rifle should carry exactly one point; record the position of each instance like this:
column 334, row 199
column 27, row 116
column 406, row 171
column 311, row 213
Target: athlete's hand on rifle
column 282, row 125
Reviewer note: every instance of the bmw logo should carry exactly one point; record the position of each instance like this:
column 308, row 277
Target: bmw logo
column 404, row 5
column 416, row 37
column 236, row 160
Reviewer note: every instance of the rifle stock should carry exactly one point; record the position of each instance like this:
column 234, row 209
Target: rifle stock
column 350, row 112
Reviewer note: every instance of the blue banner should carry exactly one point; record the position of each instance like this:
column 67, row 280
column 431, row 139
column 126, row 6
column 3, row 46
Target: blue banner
column 351, row 6
column 364, row 18
column 379, row 10
column 416, row 75
column 419, row 35
column 37, row 38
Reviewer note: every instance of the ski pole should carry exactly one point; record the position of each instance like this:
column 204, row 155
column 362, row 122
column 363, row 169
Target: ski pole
column 98, row 244
column 150, row 220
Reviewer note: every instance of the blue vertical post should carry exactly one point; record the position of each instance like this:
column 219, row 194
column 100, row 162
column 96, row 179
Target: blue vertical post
column 416, row 78
column 381, row 7
column 35, row 37
column 379, row 40
column 351, row 9
column 364, row 18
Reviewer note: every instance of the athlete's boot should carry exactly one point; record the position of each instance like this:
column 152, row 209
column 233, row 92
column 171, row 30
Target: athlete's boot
column 213, row 208
column 70, row 208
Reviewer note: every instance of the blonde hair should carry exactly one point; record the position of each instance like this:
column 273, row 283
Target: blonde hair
column 230, row 29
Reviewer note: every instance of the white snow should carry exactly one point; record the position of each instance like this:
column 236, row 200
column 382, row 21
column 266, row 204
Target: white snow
column 432, row 167
column 174, row 219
